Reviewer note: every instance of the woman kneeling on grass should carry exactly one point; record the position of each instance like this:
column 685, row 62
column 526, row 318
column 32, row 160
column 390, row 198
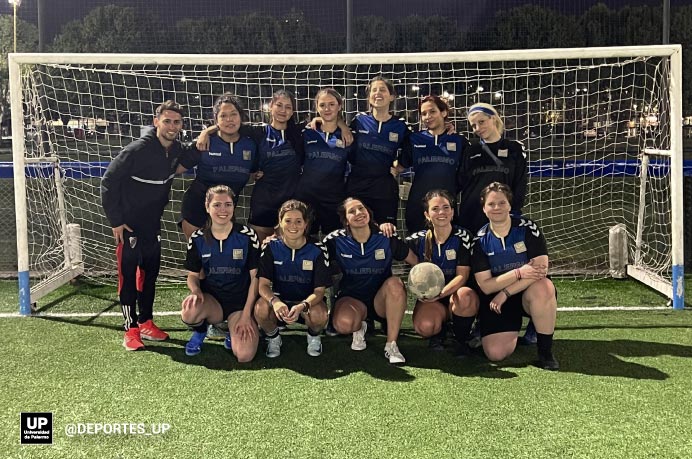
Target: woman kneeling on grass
column 367, row 289
column 449, row 247
column 510, row 263
column 293, row 275
column 222, row 259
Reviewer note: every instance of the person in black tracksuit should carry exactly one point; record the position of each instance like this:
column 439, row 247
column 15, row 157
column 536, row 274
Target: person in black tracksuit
column 134, row 191
column 492, row 159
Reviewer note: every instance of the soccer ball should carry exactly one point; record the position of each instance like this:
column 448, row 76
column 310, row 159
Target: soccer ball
column 426, row 280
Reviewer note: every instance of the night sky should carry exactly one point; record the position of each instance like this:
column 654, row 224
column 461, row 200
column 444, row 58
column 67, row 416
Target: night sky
column 325, row 13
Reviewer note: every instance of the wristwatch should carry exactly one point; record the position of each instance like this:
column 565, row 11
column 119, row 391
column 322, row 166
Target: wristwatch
column 306, row 307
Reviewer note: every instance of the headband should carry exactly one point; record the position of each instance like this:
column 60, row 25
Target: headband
column 487, row 111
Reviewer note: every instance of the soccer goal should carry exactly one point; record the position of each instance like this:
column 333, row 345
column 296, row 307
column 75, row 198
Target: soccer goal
column 602, row 129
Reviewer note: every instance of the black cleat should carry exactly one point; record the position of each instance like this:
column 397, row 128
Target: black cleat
column 547, row 362
column 529, row 337
column 463, row 351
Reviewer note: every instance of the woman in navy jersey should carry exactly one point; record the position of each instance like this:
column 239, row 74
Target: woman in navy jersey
column 493, row 159
column 367, row 289
column 378, row 137
column 280, row 159
column 222, row 262
column 322, row 184
column 293, row 275
column 230, row 160
column 510, row 264
column 435, row 155
column 449, row 247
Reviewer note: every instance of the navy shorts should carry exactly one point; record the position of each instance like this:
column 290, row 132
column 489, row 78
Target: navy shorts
column 509, row 320
column 192, row 208
column 229, row 304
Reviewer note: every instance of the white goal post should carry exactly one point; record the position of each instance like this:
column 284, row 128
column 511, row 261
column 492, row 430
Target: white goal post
column 602, row 129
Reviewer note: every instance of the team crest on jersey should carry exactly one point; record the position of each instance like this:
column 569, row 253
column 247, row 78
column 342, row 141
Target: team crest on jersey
column 307, row 265
column 503, row 153
column 451, row 254
column 339, row 143
column 247, row 155
column 451, row 146
column 133, row 242
column 379, row 254
column 237, row 254
column 393, row 137
column 520, row 247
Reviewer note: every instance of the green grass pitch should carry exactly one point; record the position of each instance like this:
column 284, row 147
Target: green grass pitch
column 623, row 390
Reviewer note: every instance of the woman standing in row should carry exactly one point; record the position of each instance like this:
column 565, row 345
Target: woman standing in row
column 493, row 159
column 322, row 183
column 230, row 160
column 378, row 137
column 435, row 155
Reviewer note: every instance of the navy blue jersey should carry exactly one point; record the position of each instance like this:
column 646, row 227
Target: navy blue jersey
column 226, row 264
column 279, row 155
column 227, row 163
column 479, row 169
column 377, row 144
column 500, row 255
column 455, row 251
column 435, row 160
column 295, row 274
column 376, row 148
column 365, row 266
column 324, row 167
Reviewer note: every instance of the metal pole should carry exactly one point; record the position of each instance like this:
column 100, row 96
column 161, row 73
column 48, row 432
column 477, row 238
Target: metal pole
column 350, row 86
column 349, row 26
column 14, row 8
column 42, row 26
column 666, row 22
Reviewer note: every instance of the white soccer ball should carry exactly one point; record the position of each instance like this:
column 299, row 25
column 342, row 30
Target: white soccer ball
column 426, row 280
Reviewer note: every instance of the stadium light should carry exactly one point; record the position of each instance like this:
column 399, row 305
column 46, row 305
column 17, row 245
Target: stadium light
column 15, row 4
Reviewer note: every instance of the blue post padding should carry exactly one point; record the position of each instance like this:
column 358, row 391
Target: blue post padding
column 24, row 294
column 678, row 287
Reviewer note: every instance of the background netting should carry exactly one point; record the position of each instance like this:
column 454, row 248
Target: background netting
column 584, row 123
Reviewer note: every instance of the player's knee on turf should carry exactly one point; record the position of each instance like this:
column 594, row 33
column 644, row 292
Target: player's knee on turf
column 318, row 317
column 346, row 323
column 394, row 290
column 427, row 326
column 263, row 310
column 465, row 303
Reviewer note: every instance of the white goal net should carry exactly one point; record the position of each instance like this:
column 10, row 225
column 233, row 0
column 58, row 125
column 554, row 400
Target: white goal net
column 601, row 127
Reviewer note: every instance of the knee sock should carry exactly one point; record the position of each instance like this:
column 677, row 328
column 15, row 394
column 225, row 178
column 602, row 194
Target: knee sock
column 545, row 344
column 462, row 327
column 198, row 327
column 272, row 334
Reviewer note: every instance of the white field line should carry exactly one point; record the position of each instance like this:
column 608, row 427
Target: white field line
column 12, row 315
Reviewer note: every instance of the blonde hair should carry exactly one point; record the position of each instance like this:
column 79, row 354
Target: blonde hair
column 487, row 110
